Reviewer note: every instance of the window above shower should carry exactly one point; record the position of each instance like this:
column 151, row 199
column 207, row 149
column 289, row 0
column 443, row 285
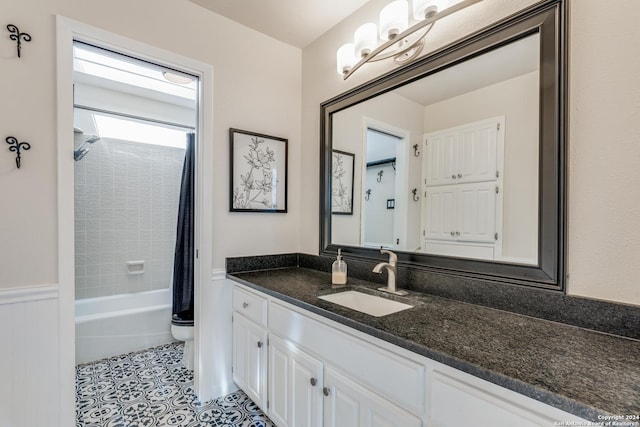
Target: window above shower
column 125, row 98
column 94, row 64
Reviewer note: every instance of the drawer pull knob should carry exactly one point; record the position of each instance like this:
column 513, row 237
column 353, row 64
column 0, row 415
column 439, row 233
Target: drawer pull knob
column 459, row 175
column 314, row 382
column 245, row 304
column 259, row 344
column 325, row 391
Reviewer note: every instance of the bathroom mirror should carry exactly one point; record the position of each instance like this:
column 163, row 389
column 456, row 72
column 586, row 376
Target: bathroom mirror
column 456, row 161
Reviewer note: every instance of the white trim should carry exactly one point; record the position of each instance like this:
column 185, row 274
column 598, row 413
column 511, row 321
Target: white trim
column 218, row 274
column 28, row 294
column 67, row 30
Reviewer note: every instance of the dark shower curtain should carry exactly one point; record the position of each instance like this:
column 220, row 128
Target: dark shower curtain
column 183, row 258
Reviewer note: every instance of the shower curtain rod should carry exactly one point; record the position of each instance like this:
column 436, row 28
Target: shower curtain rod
column 131, row 116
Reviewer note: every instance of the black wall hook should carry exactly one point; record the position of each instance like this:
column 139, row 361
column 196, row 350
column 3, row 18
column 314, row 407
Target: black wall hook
column 415, row 195
column 415, row 150
column 17, row 146
column 17, row 36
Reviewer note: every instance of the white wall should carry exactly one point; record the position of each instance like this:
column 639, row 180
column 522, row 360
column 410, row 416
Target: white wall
column 604, row 127
column 604, row 153
column 29, row 362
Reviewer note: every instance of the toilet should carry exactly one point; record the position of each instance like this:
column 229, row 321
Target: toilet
column 182, row 330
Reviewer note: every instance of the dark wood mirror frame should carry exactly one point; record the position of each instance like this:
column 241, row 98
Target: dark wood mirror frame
column 548, row 18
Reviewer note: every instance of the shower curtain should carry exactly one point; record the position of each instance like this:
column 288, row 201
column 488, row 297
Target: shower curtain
column 183, row 258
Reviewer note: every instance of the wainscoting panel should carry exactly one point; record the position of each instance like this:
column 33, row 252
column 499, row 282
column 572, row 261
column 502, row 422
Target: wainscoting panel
column 29, row 395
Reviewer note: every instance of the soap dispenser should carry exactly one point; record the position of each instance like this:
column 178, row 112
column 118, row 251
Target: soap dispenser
column 339, row 271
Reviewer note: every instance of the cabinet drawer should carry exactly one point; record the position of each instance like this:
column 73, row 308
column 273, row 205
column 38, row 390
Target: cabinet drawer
column 251, row 306
column 400, row 380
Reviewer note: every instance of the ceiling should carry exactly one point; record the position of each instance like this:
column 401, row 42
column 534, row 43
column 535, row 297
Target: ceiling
column 509, row 61
column 297, row 22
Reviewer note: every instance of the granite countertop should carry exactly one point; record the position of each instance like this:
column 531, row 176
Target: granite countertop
column 584, row 372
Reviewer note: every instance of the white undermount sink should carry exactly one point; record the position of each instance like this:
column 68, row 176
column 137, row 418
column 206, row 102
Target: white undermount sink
column 365, row 303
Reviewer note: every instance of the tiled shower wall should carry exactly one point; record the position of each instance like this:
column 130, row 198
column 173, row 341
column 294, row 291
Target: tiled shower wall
column 126, row 209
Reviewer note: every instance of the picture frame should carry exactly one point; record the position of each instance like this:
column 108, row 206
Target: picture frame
column 342, row 170
column 258, row 172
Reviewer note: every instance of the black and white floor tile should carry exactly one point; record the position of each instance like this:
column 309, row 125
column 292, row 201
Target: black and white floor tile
column 151, row 388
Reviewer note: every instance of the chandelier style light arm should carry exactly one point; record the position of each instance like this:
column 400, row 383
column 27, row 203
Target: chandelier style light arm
column 399, row 45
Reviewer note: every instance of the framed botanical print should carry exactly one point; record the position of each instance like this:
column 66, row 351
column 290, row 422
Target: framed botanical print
column 342, row 183
column 258, row 172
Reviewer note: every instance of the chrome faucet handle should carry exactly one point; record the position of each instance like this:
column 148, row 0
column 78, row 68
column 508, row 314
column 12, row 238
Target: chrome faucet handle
column 393, row 258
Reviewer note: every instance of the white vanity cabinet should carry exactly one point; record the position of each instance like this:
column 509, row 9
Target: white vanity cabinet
column 322, row 373
column 348, row 404
column 295, row 385
column 305, row 392
column 249, row 353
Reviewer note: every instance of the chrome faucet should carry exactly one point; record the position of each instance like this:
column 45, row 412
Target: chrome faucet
column 392, row 271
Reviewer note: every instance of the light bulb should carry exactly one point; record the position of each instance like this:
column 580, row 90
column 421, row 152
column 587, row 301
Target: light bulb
column 427, row 8
column 345, row 58
column 394, row 19
column 365, row 39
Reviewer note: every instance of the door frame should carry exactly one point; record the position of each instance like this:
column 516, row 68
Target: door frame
column 68, row 30
column 401, row 210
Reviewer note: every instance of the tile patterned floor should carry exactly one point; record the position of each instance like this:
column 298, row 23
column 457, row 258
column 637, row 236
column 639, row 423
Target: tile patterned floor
column 152, row 388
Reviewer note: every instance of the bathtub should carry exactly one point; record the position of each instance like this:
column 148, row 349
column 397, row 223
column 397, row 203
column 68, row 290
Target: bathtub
column 108, row 326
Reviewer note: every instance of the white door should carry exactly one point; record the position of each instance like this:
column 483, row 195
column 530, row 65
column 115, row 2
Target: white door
column 348, row 404
column 249, row 359
column 440, row 212
column 476, row 212
column 295, row 386
column 441, row 160
column 477, row 145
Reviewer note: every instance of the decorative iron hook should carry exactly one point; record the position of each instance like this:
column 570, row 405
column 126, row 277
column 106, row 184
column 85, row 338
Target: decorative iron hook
column 368, row 194
column 415, row 150
column 17, row 36
column 415, row 195
column 17, row 146
column 380, row 176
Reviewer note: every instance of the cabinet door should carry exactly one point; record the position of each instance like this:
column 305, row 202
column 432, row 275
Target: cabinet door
column 477, row 148
column 441, row 159
column 348, row 404
column 249, row 359
column 476, row 212
column 440, row 212
column 295, row 386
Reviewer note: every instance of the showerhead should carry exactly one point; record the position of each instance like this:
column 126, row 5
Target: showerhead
column 79, row 154
column 83, row 148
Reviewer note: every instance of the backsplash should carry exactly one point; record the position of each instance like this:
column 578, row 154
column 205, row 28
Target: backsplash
column 603, row 316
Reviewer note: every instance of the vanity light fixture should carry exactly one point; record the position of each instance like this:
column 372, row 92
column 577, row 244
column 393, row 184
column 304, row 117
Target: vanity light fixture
column 395, row 38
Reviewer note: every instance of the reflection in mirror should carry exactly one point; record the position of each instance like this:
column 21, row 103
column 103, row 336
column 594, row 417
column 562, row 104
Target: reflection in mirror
column 475, row 171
